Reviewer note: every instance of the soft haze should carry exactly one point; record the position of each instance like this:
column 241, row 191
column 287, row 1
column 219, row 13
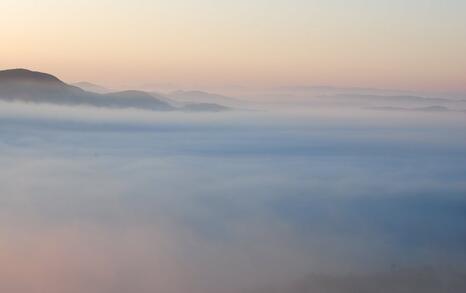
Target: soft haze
column 417, row 44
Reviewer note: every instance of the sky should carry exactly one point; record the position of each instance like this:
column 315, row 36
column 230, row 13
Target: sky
column 416, row 44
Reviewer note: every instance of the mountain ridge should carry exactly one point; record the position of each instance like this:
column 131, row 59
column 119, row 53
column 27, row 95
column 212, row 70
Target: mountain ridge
column 23, row 85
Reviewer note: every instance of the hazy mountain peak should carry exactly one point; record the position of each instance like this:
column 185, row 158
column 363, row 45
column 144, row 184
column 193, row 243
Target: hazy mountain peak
column 133, row 93
column 91, row 87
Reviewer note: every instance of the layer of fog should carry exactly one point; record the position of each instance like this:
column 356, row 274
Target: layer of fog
column 95, row 200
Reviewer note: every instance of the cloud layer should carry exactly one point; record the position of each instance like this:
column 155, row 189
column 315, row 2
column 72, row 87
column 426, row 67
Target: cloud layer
column 100, row 200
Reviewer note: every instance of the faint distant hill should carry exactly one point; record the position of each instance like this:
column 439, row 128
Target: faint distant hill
column 397, row 281
column 392, row 98
column 204, row 107
column 202, row 97
column 91, row 87
column 420, row 109
column 23, row 85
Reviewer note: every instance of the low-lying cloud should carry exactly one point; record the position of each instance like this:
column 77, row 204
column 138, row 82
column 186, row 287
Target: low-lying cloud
column 96, row 200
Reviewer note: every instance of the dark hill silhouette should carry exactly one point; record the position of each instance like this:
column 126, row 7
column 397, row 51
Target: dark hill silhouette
column 24, row 75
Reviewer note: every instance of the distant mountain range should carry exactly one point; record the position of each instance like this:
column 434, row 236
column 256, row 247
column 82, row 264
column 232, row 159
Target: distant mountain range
column 330, row 96
column 22, row 85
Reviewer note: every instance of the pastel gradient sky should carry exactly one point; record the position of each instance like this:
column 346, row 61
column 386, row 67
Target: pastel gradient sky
column 416, row 44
